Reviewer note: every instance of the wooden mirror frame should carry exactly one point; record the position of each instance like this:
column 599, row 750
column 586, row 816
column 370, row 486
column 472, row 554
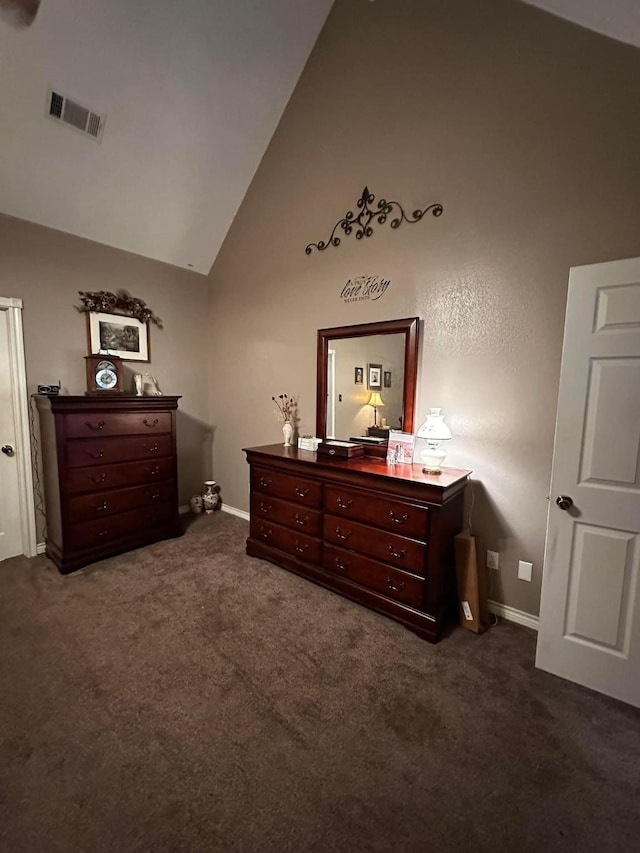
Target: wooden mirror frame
column 407, row 326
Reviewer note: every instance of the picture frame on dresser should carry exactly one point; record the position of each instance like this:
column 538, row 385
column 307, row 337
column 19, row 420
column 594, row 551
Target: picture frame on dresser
column 116, row 334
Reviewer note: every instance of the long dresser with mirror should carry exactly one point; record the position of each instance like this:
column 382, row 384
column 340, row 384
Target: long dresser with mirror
column 379, row 534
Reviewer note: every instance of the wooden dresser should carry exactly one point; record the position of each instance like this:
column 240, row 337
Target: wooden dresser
column 110, row 475
column 380, row 534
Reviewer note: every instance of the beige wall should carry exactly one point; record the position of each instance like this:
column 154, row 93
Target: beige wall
column 47, row 268
column 526, row 128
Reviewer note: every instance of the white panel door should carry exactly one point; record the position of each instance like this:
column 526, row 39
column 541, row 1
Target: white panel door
column 10, row 517
column 590, row 609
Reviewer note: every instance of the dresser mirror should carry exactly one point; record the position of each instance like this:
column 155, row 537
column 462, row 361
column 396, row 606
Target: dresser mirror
column 356, row 362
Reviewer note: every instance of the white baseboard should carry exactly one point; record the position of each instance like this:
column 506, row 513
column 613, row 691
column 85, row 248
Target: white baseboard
column 513, row 615
column 233, row 511
column 41, row 548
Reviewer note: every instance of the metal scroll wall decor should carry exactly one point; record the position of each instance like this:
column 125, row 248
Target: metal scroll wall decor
column 361, row 221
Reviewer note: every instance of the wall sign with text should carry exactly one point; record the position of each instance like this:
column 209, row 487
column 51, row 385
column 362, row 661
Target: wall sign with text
column 363, row 287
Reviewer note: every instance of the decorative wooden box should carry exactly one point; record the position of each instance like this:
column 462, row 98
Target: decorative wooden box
column 332, row 449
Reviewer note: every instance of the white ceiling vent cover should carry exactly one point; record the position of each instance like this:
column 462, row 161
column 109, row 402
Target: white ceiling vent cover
column 64, row 109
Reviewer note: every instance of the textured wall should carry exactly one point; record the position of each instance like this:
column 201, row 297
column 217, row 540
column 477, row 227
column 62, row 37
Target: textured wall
column 526, row 128
column 47, row 268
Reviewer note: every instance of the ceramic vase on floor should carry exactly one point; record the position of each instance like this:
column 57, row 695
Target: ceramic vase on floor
column 210, row 497
column 287, row 432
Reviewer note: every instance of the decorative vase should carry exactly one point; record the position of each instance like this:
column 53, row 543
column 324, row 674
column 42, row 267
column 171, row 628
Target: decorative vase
column 287, row 432
column 195, row 502
column 210, row 497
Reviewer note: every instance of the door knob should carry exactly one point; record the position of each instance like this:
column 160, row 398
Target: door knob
column 564, row 502
column 8, row 450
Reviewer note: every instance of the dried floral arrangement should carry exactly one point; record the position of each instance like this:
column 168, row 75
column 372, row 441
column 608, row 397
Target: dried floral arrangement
column 121, row 302
column 286, row 406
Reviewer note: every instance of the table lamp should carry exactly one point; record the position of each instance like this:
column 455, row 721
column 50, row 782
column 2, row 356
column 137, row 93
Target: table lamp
column 375, row 400
column 434, row 431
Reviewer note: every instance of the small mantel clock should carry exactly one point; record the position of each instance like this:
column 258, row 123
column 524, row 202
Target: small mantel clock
column 104, row 374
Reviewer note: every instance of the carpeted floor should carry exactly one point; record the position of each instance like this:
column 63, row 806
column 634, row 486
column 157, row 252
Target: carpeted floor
column 185, row 697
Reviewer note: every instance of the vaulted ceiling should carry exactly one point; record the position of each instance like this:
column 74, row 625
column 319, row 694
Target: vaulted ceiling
column 192, row 91
column 618, row 19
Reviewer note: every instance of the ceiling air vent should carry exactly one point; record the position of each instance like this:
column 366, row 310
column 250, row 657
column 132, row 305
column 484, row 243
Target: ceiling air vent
column 66, row 110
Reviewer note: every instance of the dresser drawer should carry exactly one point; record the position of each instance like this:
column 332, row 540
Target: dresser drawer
column 297, row 544
column 90, row 534
column 393, row 515
column 404, row 553
column 116, row 423
column 289, row 487
column 398, row 585
column 102, row 477
column 265, row 507
column 80, row 452
column 103, row 503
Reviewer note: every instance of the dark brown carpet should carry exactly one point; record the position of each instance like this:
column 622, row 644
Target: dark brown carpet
column 185, row 697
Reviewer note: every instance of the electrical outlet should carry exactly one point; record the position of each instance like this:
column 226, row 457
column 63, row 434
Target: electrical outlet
column 525, row 570
column 493, row 560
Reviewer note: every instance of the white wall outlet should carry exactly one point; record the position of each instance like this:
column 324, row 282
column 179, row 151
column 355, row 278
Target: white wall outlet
column 493, row 560
column 525, row 570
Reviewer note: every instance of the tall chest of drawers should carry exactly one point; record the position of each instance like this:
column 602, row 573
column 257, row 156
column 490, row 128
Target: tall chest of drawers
column 110, row 475
column 379, row 534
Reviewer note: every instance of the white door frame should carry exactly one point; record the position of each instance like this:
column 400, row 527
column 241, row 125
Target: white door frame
column 331, row 394
column 20, row 401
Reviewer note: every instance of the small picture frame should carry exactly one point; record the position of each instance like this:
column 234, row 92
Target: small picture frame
column 126, row 337
column 387, row 379
column 359, row 376
column 374, row 377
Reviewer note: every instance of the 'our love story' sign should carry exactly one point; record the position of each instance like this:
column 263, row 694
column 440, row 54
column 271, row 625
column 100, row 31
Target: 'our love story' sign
column 363, row 287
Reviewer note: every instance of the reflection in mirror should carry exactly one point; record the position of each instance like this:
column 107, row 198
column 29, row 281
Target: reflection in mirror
column 357, row 361
column 348, row 410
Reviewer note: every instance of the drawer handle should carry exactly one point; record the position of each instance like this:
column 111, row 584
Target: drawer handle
column 301, row 519
column 395, row 588
column 399, row 555
column 96, row 427
column 265, row 508
column 301, row 548
column 99, row 479
column 152, row 448
column 301, row 493
column 97, row 455
column 100, row 507
column 343, row 504
column 151, row 424
column 153, row 472
column 340, row 566
column 343, row 534
column 404, row 517
column 264, row 482
column 103, row 533
column 155, row 496
column 266, row 534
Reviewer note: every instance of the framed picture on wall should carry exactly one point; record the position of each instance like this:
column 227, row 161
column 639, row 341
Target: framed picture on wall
column 374, row 377
column 125, row 337
column 359, row 375
column 387, row 379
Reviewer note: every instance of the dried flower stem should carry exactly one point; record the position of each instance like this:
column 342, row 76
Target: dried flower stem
column 286, row 406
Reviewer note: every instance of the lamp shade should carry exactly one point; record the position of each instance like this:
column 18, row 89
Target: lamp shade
column 376, row 399
column 434, row 427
